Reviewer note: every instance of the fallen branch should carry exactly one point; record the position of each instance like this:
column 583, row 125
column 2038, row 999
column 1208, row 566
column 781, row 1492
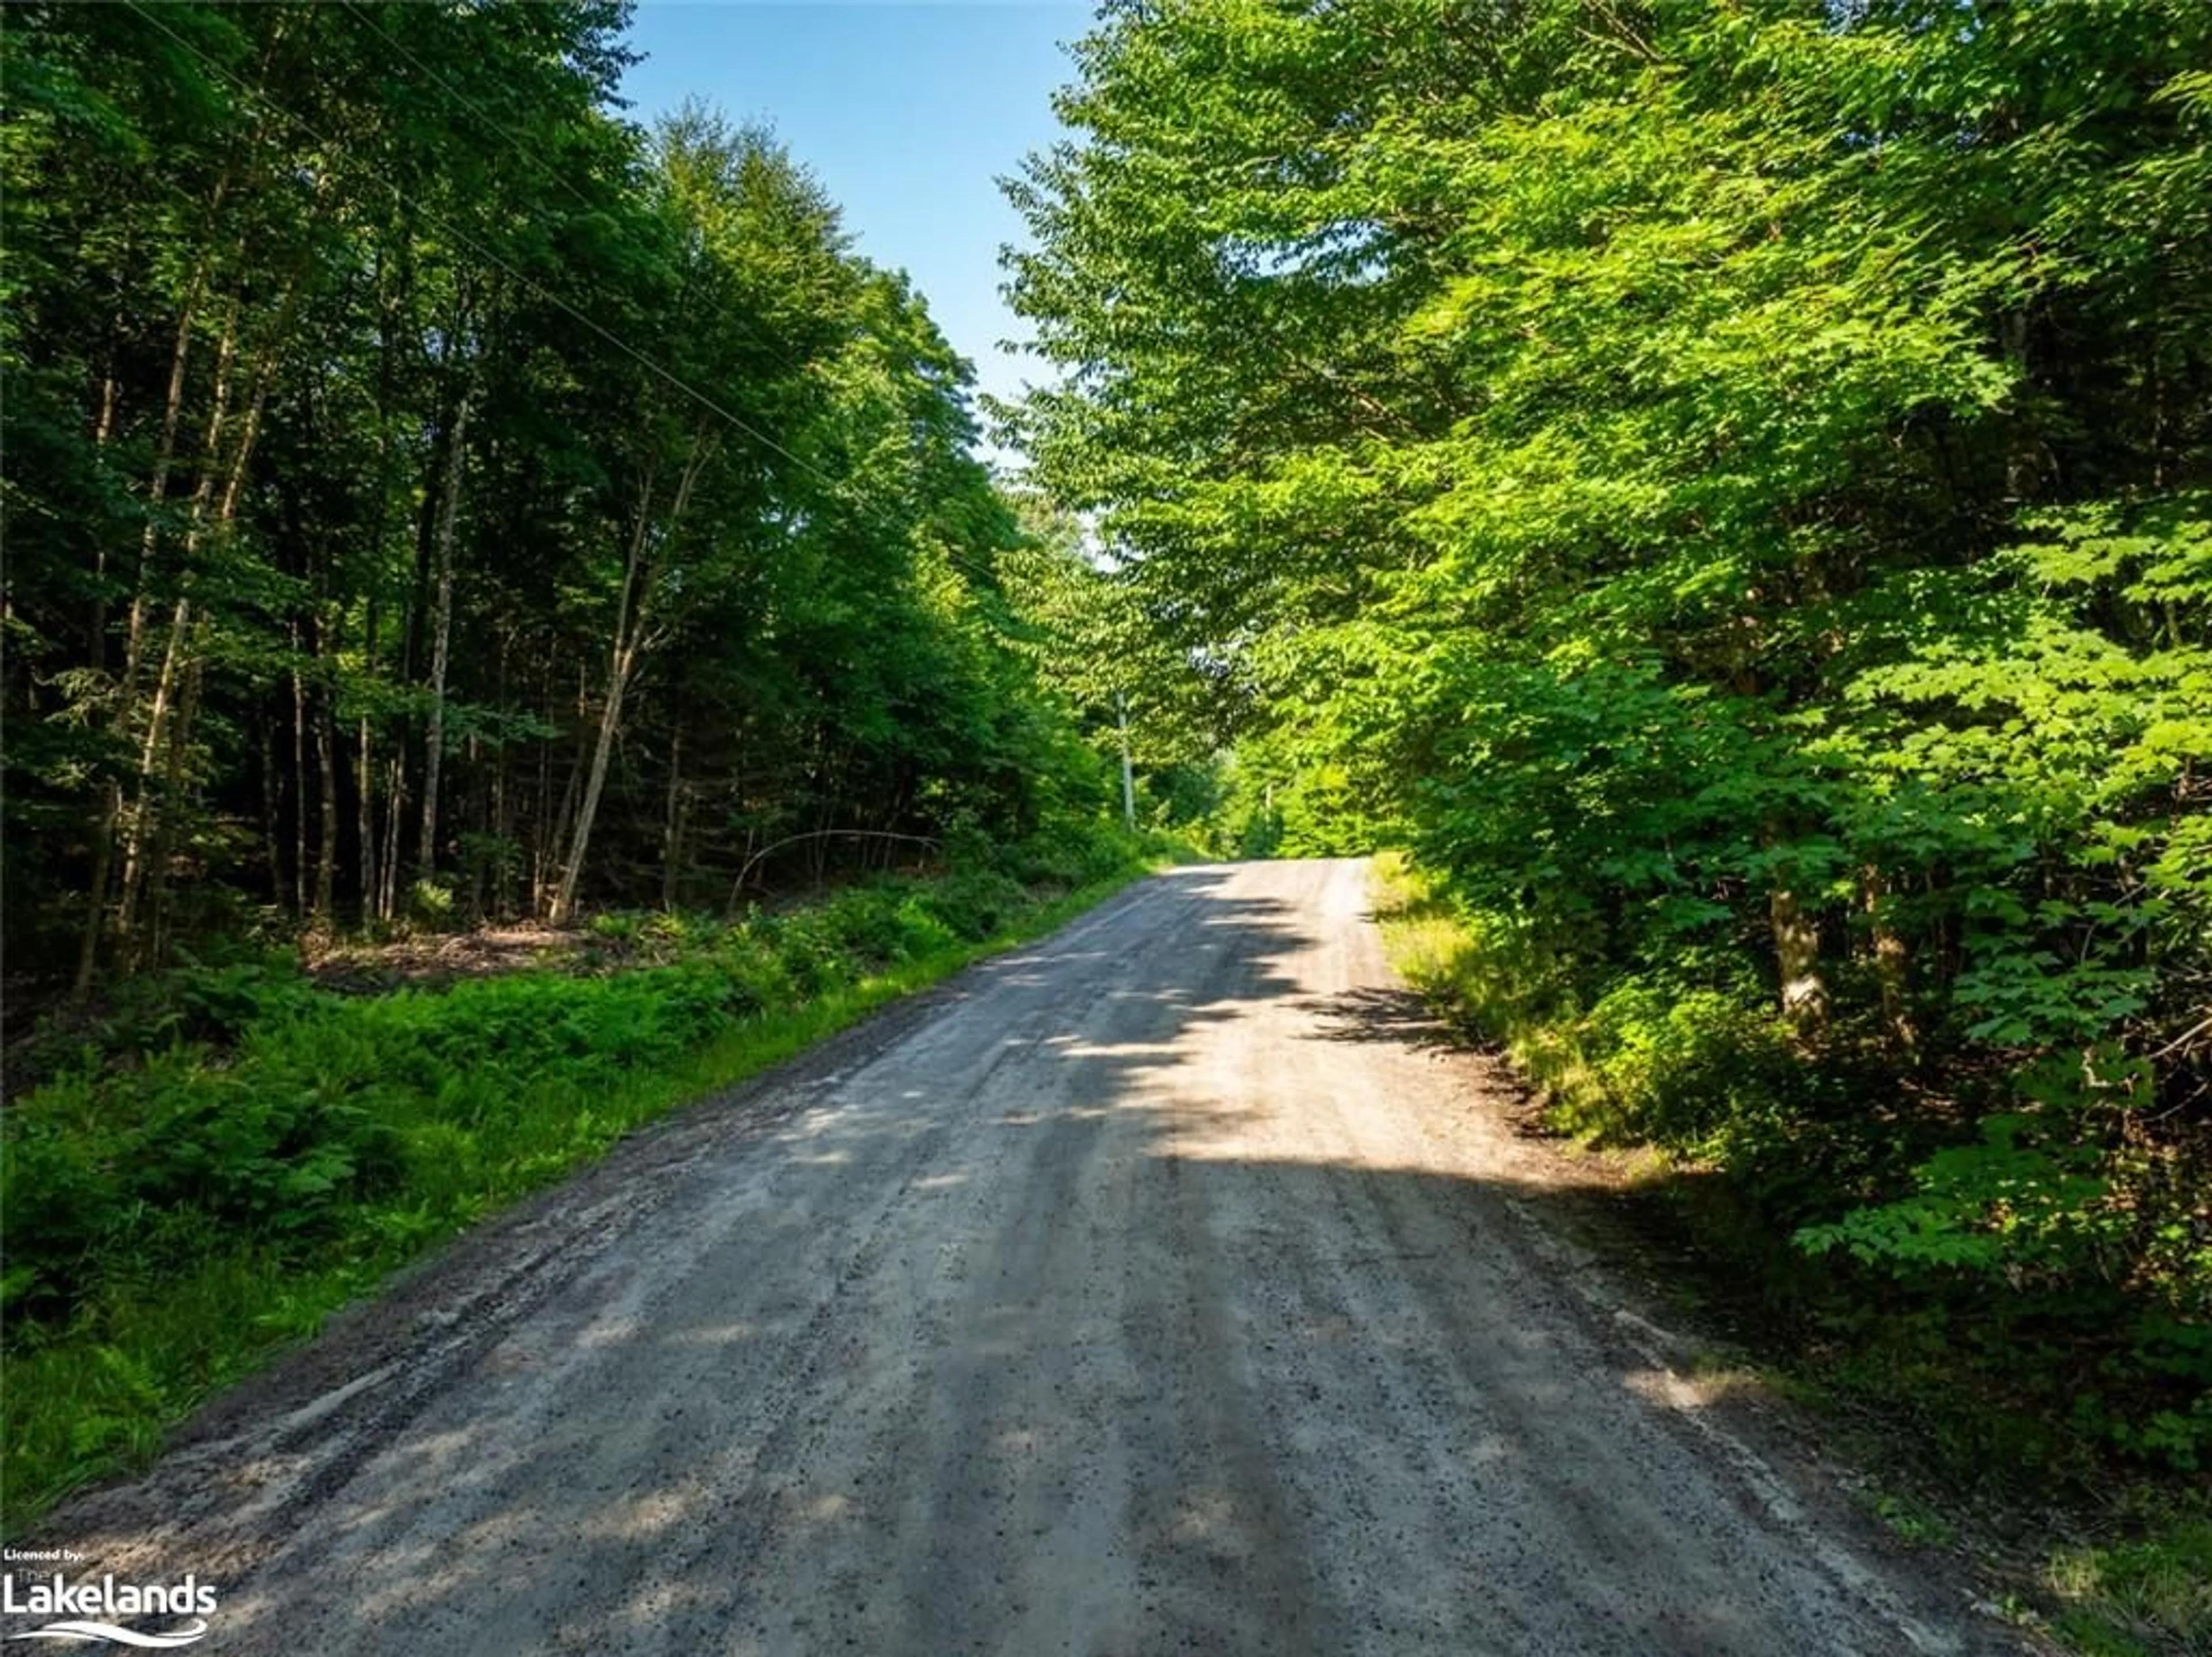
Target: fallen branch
column 753, row 862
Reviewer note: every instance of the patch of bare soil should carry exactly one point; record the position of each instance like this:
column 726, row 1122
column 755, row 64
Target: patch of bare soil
column 431, row 959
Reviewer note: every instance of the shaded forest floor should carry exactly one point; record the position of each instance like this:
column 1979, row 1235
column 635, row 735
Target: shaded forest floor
column 608, row 940
column 350, row 965
column 2109, row 1558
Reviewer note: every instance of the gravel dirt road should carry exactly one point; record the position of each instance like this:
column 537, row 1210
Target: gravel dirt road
column 1156, row 1289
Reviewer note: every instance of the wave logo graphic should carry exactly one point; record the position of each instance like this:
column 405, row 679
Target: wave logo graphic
column 197, row 1630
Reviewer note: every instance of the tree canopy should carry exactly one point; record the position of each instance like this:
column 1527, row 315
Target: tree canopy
column 429, row 492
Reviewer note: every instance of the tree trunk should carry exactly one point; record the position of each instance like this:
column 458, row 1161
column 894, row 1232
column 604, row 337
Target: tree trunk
column 204, row 522
column 619, row 668
column 103, row 842
column 1892, row 959
column 441, row 630
column 137, row 839
column 1797, row 954
column 299, row 782
column 365, row 826
column 273, row 812
column 564, row 819
column 103, row 430
column 165, row 460
column 326, row 776
column 173, row 790
column 541, row 822
column 633, row 611
column 672, row 839
column 150, row 825
column 395, row 817
column 136, row 823
column 501, row 811
column 103, row 852
column 112, row 818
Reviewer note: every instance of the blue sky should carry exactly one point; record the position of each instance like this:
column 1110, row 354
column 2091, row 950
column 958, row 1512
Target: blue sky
column 907, row 111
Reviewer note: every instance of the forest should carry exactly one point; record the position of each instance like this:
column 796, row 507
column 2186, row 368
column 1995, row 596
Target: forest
column 429, row 492
column 1729, row 487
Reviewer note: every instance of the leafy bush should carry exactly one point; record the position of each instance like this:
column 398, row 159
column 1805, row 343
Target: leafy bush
column 1069, row 853
column 874, row 925
column 2078, row 1223
column 976, row 902
column 1679, row 1067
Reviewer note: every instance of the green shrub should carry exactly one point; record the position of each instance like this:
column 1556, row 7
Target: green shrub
column 1680, row 1067
column 862, row 924
column 975, row 903
column 219, row 1003
column 431, row 905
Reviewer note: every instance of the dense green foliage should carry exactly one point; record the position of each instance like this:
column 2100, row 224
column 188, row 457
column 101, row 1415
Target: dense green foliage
column 1730, row 485
column 428, row 494
column 171, row 1217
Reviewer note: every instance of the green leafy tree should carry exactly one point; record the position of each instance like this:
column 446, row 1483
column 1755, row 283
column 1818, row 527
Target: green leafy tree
column 1725, row 484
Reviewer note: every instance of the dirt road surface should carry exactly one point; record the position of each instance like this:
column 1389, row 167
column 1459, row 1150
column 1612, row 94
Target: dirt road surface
column 1157, row 1288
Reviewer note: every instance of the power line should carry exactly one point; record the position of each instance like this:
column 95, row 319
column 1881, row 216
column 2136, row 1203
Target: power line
column 550, row 297
column 516, row 142
column 489, row 256
column 520, row 148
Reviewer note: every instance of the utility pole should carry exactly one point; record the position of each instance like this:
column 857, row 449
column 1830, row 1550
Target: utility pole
column 1129, row 778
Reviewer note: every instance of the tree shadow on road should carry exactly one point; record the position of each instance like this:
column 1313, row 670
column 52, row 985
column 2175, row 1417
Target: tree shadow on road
column 1029, row 1322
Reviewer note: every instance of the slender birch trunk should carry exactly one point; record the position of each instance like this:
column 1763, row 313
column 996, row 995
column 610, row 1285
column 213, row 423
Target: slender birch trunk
column 633, row 620
column 206, row 519
column 395, row 817
column 564, row 819
column 113, row 821
column 136, row 822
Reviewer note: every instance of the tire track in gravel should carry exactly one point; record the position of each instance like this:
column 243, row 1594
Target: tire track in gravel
column 1156, row 1287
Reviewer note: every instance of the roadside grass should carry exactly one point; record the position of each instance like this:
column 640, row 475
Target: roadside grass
column 1961, row 1457
column 1912, row 1520
column 174, row 1223
column 2142, row 1597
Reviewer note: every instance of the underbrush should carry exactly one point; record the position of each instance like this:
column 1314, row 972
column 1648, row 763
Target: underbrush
column 175, row 1212
column 2148, row 1592
column 1987, row 1253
